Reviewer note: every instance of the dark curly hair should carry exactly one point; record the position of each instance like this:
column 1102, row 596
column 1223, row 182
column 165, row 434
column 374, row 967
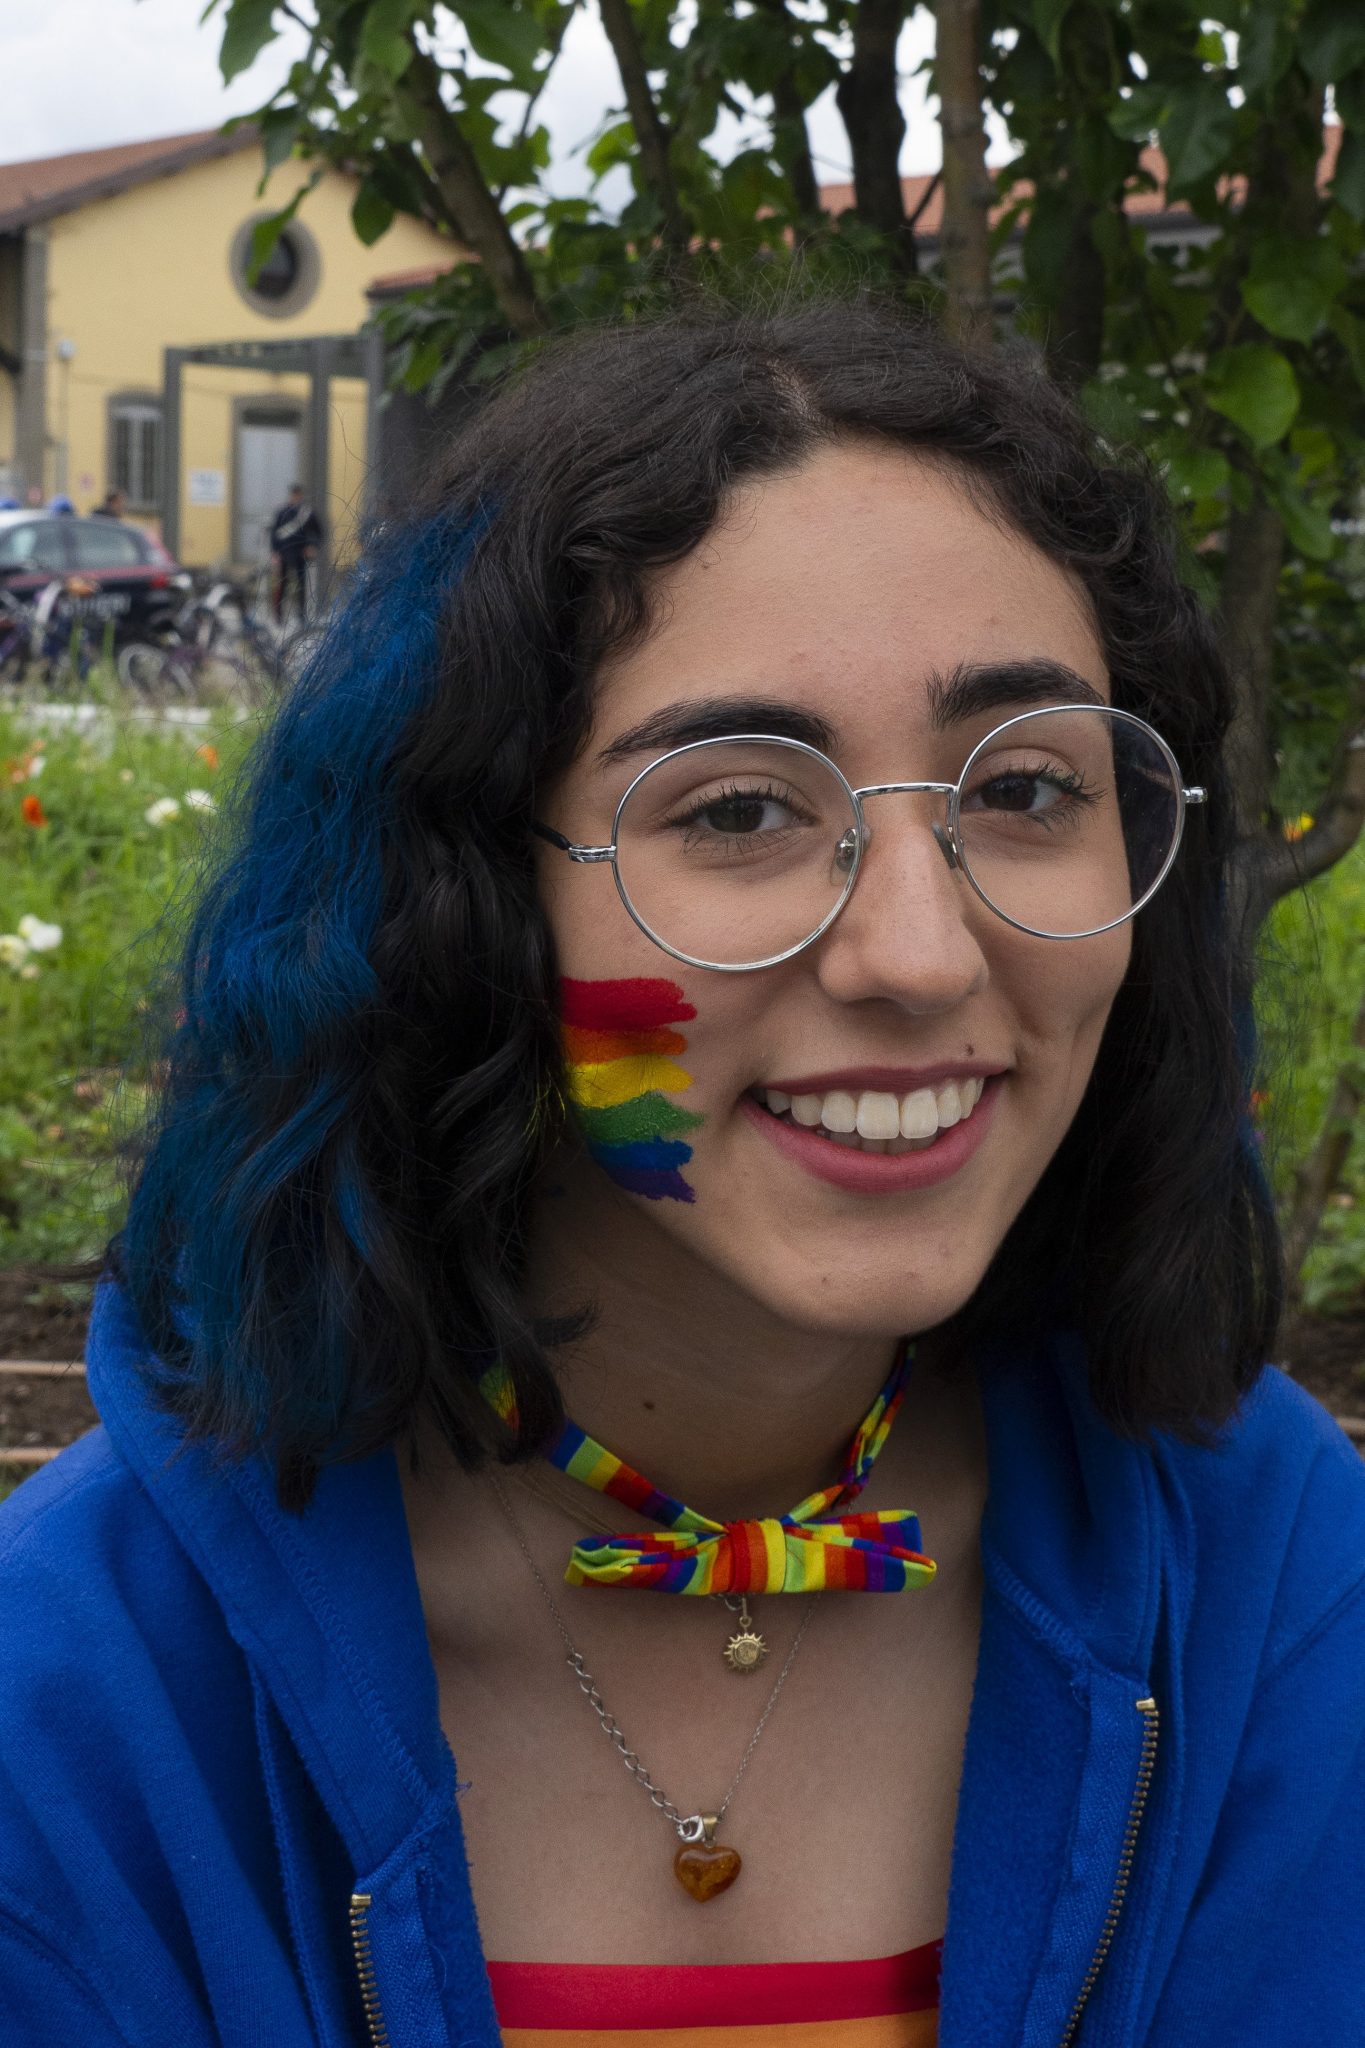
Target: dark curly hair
column 328, row 1223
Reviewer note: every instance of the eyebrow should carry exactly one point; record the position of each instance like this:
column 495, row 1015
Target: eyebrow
column 955, row 695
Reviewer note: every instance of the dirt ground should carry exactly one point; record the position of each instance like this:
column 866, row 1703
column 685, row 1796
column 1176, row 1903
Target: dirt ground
column 40, row 1322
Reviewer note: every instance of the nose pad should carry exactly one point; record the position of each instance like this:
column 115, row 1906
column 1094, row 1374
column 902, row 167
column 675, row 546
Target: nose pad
column 846, row 852
column 945, row 846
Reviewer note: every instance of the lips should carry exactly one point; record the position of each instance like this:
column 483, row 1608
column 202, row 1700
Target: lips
column 871, row 1166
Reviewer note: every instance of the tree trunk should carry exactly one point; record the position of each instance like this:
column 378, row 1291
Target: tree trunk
column 465, row 193
column 1076, row 337
column 791, row 138
column 869, row 103
column 1247, row 612
column 650, row 132
column 967, row 188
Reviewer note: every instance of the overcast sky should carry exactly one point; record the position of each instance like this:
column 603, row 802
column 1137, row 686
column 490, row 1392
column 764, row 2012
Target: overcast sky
column 79, row 74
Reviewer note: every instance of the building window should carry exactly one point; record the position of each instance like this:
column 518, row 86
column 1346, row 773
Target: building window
column 290, row 275
column 135, row 450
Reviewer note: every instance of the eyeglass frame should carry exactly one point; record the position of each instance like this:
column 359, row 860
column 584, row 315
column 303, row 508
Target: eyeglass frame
column 949, row 842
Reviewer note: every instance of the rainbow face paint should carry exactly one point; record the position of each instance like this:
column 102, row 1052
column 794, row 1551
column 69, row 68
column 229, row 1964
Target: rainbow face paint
column 622, row 1054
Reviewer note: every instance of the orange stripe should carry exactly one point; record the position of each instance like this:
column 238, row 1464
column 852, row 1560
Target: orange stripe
column 591, row 1048
column 892, row 2030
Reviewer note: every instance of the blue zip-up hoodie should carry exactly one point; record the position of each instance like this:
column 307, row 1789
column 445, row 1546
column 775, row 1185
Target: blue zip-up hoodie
column 228, row 1812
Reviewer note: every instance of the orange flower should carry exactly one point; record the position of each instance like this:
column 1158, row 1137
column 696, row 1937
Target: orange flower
column 33, row 811
column 207, row 754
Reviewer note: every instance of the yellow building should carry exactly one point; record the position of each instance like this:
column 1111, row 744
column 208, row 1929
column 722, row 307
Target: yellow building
column 109, row 259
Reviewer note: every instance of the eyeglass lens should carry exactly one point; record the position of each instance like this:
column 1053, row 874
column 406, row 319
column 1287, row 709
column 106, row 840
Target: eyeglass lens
column 734, row 852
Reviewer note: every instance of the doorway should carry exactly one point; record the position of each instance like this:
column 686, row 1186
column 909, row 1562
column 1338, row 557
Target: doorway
column 269, row 458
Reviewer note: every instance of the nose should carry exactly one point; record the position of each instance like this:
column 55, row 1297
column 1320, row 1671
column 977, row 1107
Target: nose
column 911, row 931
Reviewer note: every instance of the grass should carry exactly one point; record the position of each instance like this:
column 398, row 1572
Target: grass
column 1312, row 983
column 79, row 853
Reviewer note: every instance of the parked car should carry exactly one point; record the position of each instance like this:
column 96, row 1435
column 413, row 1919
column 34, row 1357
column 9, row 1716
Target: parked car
column 108, row 570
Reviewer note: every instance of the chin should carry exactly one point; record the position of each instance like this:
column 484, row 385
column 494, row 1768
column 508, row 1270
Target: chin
column 822, row 1297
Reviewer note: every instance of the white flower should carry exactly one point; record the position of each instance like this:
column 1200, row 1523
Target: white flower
column 39, row 937
column 36, row 765
column 28, row 972
column 200, row 800
column 162, row 811
column 125, row 775
column 13, row 950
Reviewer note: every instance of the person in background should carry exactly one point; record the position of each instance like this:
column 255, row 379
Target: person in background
column 114, row 506
column 295, row 535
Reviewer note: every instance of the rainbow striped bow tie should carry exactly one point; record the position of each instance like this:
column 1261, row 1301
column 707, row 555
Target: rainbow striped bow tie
column 814, row 1549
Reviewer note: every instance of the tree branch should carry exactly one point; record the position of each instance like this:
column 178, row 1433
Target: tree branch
column 870, row 106
column 1275, row 866
column 967, row 187
column 651, row 133
column 465, row 194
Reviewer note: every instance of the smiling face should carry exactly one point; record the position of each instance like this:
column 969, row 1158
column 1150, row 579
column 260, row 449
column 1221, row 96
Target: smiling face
column 858, row 1126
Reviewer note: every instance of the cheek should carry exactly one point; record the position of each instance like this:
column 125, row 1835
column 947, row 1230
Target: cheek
column 624, row 1052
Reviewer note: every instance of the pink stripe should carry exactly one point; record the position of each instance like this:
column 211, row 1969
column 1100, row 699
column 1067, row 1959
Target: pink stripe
column 607, row 1995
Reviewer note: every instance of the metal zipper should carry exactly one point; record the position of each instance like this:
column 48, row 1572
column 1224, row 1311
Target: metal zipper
column 1148, row 1709
column 360, row 1936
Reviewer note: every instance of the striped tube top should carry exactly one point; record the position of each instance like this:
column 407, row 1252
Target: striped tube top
column 887, row 2002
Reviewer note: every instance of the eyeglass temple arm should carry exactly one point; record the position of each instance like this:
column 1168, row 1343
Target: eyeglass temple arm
column 580, row 853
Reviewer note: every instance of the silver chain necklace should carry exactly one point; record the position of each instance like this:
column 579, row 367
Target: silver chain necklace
column 703, row 1866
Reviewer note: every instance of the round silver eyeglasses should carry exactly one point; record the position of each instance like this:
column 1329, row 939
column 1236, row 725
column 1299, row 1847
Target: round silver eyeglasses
column 737, row 853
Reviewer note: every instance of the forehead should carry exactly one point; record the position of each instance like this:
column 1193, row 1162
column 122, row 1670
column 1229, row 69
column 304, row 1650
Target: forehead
column 847, row 585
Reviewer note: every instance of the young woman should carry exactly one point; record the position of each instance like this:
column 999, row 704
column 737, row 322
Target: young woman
column 709, row 1069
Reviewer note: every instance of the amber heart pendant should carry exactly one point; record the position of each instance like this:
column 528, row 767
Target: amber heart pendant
column 703, row 1866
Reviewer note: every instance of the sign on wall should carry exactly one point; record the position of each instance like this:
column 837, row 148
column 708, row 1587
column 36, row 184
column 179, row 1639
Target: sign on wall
column 207, row 487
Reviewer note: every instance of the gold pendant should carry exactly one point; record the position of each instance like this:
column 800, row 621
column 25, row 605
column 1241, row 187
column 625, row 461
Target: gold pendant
column 746, row 1649
column 703, row 1866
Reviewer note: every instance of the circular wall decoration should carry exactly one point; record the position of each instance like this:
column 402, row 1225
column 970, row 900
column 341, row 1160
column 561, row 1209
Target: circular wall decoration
column 289, row 277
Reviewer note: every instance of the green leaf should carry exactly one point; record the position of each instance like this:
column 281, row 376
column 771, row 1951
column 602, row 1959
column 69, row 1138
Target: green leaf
column 1309, row 526
column 615, row 145
column 267, row 232
column 1291, row 285
column 1265, row 47
column 247, row 30
column 503, row 35
column 1197, row 131
column 371, row 214
column 1197, row 472
column 1254, row 387
column 1348, row 182
column 1332, row 39
column 279, row 132
column 1350, row 332
column 384, row 36
column 1048, row 16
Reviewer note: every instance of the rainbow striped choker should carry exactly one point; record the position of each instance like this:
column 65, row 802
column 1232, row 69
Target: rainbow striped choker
column 814, row 1549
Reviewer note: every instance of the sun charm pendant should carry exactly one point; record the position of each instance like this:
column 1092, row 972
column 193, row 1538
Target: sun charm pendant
column 746, row 1649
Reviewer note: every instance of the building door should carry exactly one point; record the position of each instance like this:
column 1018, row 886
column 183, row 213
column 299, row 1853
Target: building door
column 269, row 455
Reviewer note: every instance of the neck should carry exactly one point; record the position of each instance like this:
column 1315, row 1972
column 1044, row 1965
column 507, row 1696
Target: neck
column 716, row 1401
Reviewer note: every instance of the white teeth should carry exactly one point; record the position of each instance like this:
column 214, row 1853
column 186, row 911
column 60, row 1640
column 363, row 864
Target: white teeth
column 875, row 1121
column 950, row 1109
column 919, row 1114
column 878, row 1115
column 839, row 1113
